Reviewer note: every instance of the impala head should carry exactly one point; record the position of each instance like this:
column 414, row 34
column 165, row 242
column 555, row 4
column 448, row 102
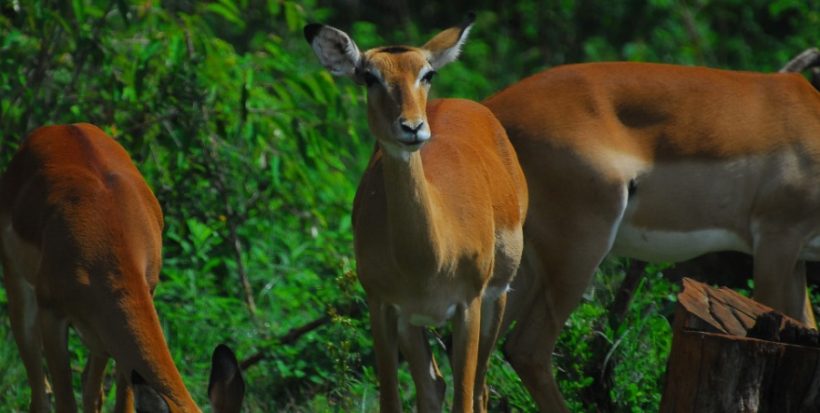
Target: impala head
column 397, row 78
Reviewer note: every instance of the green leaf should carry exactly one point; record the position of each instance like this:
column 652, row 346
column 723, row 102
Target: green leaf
column 79, row 10
column 227, row 10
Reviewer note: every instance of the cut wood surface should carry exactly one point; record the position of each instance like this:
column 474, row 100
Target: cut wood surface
column 716, row 366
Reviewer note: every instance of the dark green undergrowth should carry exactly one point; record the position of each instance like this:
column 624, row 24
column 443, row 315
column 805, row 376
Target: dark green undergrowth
column 254, row 152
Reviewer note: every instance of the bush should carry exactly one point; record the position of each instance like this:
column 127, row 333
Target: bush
column 254, row 153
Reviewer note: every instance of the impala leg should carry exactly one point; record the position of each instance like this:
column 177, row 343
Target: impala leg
column 430, row 385
column 466, row 333
column 55, row 347
column 383, row 324
column 23, row 314
column 563, row 249
column 125, row 393
column 492, row 312
column 532, row 341
column 93, row 382
column 528, row 349
column 506, row 264
column 808, row 311
column 780, row 277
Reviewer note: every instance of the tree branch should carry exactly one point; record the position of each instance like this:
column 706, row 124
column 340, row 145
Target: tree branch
column 293, row 335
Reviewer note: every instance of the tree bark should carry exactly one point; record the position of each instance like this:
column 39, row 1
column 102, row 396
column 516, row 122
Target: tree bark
column 715, row 366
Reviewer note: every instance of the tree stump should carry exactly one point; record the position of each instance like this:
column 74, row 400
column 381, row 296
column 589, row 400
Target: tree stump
column 732, row 354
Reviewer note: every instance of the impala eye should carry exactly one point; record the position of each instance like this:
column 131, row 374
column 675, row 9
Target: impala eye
column 370, row 79
column 428, row 77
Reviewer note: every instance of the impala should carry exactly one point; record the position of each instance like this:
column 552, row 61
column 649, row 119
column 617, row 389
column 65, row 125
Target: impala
column 80, row 243
column 660, row 163
column 437, row 216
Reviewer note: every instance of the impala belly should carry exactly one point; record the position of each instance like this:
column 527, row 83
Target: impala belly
column 425, row 318
column 26, row 260
column 431, row 305
column 811, row 252
column 680, row 210
column 674, row 246
column 20, row 270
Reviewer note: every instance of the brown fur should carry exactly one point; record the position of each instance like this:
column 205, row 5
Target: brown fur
column 81, row 245
column 437, row 216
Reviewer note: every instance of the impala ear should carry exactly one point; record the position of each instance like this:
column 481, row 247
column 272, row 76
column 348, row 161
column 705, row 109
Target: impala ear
column 337, row 52
column 226, row 387
column 446, row 46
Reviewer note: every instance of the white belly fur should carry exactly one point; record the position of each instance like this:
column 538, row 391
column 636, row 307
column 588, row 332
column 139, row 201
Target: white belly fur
column 811, row 252
column 674, row 246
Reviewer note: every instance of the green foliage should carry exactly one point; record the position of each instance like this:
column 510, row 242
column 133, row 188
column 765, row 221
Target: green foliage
column 638, row 349
column 254, row 153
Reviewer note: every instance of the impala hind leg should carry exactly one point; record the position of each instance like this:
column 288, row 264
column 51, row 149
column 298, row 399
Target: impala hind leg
column 54, row 329
column 529, row 352
column 23, row 315
column 492, row 312
column 509, row 248
column 430, row 385
column 563, row 249
column 531, row 343
column 780, row 277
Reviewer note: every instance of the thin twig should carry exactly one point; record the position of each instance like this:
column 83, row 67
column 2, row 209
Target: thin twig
column 293, row 335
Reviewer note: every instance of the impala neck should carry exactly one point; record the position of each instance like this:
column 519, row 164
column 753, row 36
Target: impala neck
column 411, row 212
column 148, row 354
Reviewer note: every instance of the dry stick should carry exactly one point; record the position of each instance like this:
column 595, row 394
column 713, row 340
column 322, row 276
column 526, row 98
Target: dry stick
column 293, row 335
column 290, row 337
column 220, row 184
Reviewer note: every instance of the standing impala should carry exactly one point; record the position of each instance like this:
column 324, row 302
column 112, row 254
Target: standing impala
column 437, row 217
column 80, row 244
column 659, row 163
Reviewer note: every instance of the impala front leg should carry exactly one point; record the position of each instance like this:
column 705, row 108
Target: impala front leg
column 125, row 392
column 55, row 348
column 466, row 332
column 383, row 323
column 93, row 376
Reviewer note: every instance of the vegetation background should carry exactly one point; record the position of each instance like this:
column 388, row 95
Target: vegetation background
column 254, row 153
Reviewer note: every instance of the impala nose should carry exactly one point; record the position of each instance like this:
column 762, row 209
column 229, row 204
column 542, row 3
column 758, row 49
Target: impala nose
column 410, row 128
column 413, row 132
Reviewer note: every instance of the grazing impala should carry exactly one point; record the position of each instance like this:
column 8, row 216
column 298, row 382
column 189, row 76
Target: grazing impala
column 80, row 244
column 659, row 163
column 437, row 216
